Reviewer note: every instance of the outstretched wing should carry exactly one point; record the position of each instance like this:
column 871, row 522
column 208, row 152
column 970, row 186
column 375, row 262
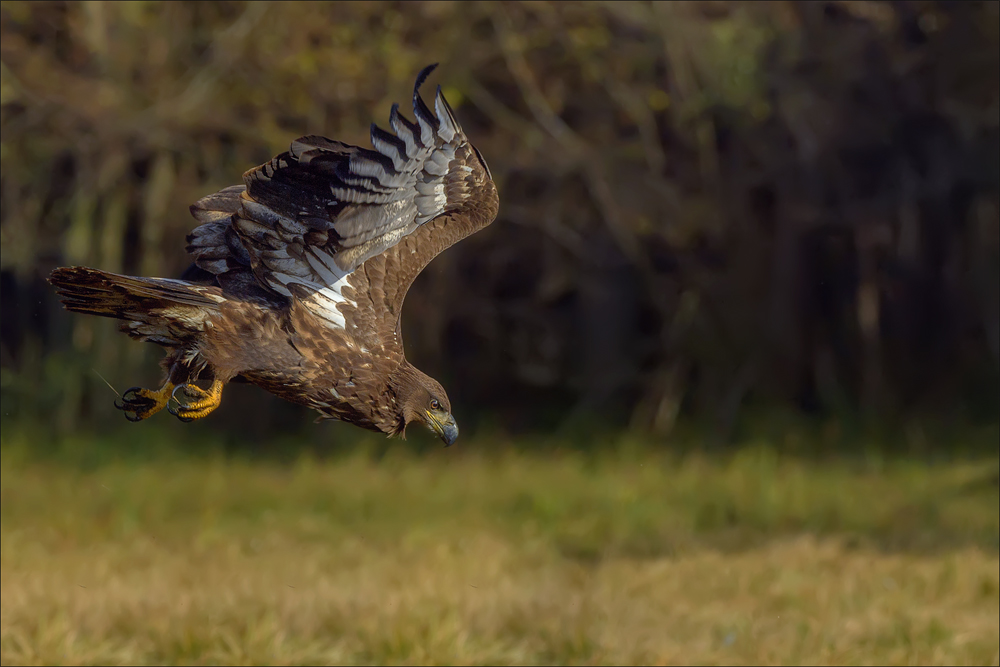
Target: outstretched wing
column 307, row 223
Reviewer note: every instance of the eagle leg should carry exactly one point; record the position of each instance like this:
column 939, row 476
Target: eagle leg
column 193, row 402
column 138, row 403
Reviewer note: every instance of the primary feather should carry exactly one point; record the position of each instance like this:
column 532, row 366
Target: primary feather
column 307, row 265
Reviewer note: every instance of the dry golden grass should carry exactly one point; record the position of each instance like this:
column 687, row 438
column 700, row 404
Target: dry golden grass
column 461, row 558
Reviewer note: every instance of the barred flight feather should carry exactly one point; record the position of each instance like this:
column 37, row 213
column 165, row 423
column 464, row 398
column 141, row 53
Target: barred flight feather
column 343, row 203
column 299, row 274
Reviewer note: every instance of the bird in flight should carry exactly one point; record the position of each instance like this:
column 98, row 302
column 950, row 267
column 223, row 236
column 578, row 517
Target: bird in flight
column 299, row 275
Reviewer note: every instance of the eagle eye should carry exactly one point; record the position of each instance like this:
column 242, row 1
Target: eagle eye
column 435, row 405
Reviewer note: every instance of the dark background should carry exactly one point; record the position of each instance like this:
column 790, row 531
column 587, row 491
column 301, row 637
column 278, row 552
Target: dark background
column 719, row 216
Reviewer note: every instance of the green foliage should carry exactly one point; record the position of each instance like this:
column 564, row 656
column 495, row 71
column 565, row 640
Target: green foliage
column 707, row 208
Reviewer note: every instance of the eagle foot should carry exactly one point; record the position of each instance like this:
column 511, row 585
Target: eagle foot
column 193, row 402
column 138, row 403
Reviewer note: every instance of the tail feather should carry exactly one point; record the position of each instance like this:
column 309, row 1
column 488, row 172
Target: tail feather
column 160, row 310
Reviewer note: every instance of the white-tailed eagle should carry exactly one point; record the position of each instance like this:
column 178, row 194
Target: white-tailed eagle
column 300, row 273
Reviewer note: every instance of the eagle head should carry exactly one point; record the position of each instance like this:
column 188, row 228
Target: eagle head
column 424, row 400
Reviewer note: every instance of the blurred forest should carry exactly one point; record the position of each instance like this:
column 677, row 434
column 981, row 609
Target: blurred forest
column 707, row 208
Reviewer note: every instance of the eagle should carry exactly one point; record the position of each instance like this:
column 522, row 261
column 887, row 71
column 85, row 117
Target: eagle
column 299, row 276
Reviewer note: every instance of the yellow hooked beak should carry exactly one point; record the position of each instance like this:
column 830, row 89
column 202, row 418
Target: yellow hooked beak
column 443, row 424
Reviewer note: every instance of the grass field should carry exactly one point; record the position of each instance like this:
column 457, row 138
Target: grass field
column 482, row 554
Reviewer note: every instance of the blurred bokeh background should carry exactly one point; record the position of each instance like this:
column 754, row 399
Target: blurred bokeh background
column 750, row 251
column 707, row 208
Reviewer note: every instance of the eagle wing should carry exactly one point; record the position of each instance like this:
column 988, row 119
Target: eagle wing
column 344, row 230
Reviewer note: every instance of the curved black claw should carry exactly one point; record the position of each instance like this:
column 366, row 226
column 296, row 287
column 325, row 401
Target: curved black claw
column 131, row 415
column 174, row 411
column 138, row 403
column 189, row 402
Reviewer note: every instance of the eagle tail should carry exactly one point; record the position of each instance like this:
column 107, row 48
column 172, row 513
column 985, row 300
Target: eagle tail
column 159, row 310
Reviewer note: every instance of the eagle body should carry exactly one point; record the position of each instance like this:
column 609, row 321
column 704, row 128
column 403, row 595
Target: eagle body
column 299, row 277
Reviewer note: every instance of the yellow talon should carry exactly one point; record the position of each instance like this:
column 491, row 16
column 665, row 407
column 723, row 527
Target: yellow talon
column 193, row 402
column 138, row 403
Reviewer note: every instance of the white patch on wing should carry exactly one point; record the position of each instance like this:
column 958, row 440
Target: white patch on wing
column 323, row 270
column 415, row 177
column 323, row 299
column 324, row 303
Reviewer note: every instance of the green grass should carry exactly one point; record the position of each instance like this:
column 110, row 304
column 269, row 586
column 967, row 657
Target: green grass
column 490, row 553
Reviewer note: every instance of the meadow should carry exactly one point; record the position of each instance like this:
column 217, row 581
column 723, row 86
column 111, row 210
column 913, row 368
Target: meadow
column 491, row 553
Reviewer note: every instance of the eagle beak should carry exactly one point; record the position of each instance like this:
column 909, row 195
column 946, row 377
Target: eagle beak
column 446, row 429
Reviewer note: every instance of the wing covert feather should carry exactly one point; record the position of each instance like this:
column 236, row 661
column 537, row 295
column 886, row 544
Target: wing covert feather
column 305, row 221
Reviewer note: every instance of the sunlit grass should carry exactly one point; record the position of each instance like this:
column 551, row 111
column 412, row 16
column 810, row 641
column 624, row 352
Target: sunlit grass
column 488, row 554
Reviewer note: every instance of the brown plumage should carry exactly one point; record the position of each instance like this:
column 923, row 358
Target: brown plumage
column 299, row 277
